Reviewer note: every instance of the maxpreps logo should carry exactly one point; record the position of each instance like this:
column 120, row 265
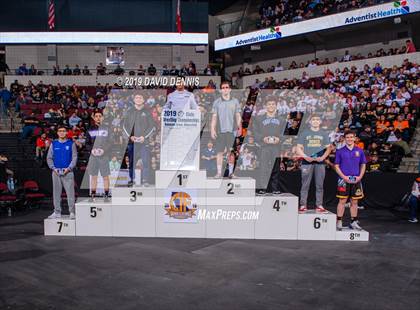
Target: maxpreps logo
column 273, row 33
column 180, row 206
column 403, row 5
column 398, row 8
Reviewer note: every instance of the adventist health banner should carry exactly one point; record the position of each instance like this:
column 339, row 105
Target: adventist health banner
column 390, row 9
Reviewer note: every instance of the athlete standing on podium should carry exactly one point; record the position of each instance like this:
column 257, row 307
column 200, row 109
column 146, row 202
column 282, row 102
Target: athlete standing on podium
column 138, row 126
column 226, row 112
column 62, row 158
column 350, row 164
column 181, row 99
column 314, row 147
column 99, row 139
column 268, row 128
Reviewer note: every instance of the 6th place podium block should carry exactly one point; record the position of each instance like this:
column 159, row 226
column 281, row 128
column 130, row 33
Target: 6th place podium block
column 187, row 204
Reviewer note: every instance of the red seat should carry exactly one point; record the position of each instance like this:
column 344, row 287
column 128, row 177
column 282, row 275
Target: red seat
column 33, row 195
column 7, row 199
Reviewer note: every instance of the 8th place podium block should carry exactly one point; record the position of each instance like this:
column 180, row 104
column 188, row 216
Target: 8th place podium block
column 177, row 207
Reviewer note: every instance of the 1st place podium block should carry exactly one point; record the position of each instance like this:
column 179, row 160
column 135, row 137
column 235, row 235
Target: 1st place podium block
column 93, row 218
column 63, row 226
column 277, row 217
column 316, row 226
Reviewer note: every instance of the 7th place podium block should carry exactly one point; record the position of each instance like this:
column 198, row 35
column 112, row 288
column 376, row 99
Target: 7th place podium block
column 183, row 204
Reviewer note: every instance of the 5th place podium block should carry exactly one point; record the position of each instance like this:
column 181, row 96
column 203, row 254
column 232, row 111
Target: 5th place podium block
column 187, row 204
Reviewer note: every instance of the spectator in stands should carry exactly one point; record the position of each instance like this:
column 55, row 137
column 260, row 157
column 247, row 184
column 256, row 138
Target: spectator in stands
column 100, row 69
column 76, row 70
column 30, row 123
column 279, row 67
column 22, row 70
column 373, row 164
column 410, row 47
column 67, row 70
column 118, row 70
column 258, row 70
column 151, row 70
column 209, row 159
column 85, row 70
column 5, row 172
column 4, row 69
column 165, row 70
column 114, row 164
column 56, row 70
column 402, row 144
column 74, row 119
column 208, row 70
column 32, row 70
column 42, row 144
column 174, row 71
column 346, row 57
column 140, row 70
column 5, row 96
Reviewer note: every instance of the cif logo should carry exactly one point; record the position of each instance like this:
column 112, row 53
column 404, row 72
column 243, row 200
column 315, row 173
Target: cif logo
column 180, row 206
column 403, row 5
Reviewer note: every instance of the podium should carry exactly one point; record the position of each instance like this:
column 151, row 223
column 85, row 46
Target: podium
column 277, row 217
column 185, row 203
column 63, row 226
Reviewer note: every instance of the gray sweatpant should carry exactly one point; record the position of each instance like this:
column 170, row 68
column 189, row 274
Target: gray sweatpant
column 307, row 172
column 66, row 181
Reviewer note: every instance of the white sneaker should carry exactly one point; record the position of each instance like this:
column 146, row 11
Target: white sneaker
column 414, row 220
column 72, row 216
column 55, row 216
column 340, row 225
column 355, row 225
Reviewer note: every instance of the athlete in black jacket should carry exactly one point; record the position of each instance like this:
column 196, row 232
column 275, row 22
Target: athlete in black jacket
column 138, row 127
column 268, row 130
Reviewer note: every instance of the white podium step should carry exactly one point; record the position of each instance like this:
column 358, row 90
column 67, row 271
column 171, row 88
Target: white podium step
column 133, row 220
column 93, row 219
column 60, row 227
column 347, row 234
column 316, row 226
column 228, row 192
column 278, row 217
column 145, row 196
column 180, row 179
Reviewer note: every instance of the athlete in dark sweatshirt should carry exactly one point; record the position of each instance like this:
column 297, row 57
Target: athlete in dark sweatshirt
column 268, row 130
column 138, row 127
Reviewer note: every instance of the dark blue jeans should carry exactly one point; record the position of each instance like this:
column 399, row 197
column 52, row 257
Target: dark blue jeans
column 138, row 151
column 413, row 206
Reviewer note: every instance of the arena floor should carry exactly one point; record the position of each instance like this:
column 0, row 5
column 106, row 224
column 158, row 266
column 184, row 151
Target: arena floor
column 38, row 272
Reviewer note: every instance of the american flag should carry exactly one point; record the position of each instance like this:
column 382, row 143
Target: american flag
column 178, row 17
column 51, row 15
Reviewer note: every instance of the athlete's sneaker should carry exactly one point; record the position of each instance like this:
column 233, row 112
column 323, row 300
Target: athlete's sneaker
column 106, row 198
column 355, row 225
column 72, row 216
column 130, row 183
column 413, row 220
column 145, row 184
column 218, row 176
column 55, row 215
column 261, row 192
column 276, row 192
column 303, row 209
column 91, row 199
column 339, row 225
column 321, row 209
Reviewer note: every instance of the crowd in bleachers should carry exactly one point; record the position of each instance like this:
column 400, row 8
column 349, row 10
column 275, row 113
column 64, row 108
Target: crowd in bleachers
column 408, row 48
column 189, row 69
column 380, row 104
column 280, row 12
